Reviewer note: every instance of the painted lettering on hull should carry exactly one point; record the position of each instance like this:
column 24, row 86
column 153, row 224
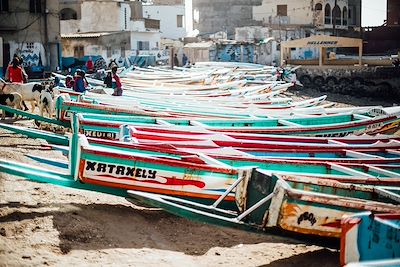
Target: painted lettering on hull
column 117, row 173
column 120, row 170
column 100, row 134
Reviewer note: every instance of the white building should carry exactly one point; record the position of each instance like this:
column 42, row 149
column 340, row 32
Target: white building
column 171, row 17
column 110, row 28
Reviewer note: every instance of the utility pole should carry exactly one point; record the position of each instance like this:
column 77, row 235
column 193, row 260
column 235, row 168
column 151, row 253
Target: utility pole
column 46, row 34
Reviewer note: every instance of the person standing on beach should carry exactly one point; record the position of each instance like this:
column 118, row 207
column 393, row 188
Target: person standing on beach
column 15, row 73
column 89, row 65
column 176, row 61
column 79, row 82
column 184, row 60
column 116, row 81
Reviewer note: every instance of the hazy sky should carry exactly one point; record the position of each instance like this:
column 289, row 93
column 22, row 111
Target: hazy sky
column 373, row 12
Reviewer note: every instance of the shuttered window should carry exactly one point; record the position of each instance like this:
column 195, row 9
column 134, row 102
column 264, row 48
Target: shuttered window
column 281, row 10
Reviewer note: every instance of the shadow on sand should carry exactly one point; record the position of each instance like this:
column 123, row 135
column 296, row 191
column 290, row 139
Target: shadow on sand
column 103, row 226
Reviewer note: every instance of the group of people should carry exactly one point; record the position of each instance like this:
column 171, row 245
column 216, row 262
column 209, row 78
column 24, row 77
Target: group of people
column 185, row 60
column 15, row 73
column 112, row 80
column 79, row 83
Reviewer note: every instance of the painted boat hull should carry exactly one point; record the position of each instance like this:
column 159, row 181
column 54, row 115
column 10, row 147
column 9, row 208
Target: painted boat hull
column 266, row 201
column 368, row 236
column 165, row 175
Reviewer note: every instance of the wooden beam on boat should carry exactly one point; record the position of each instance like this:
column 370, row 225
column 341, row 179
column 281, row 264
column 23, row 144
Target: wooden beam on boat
column 356, row 154
column 383, row 171
column 349, row 170
column 289, row 123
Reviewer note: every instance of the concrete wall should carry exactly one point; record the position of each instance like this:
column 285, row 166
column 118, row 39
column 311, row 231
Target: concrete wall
column 375, row 82
column 100, row 17
column 32, row 35
column 250, row 34
column 223, row 15
column 168, row 19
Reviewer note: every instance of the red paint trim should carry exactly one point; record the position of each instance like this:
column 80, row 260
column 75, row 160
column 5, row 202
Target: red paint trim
column 157, row 190
column 347, row 224
column 154, row 160
column 169, row 182
column 388, row 216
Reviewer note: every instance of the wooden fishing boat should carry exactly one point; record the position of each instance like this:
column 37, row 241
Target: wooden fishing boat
column 364, row 168
column 370, row 237
column 296, row 204
column 323, row 126
column 190, row 176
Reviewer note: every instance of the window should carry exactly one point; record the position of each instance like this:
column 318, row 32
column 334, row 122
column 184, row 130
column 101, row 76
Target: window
column 122, row 51
column 281, row 10
column 179, row 21
column 345, row 16
column 67, row 14
column 337, row 15
column 108, row 51
column 328, row 19
column 143, row 45
column 4, row 5
column 351, row 15
column 126, row 18
column 78, row 51
column 35, row 6
column 318, row 7
column 30, row 46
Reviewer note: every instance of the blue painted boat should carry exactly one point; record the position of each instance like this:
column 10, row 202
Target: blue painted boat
column 368, row 237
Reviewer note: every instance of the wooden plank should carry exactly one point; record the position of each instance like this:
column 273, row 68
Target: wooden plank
column 349, row 170
column 33, row 116
column 289, row 123
column 356, row 154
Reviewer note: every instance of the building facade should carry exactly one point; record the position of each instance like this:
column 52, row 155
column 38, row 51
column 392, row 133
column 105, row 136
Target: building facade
column 30, row 29
column 113, row 29
column 211, row 16
column 335, row 16
column 171, row 17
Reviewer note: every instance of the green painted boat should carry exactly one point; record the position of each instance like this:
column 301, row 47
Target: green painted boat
column 296, row 204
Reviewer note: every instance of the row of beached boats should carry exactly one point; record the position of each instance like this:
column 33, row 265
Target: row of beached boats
column 300, row 170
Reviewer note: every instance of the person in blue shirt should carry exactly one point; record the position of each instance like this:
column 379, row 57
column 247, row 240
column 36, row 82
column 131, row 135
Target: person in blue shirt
column 79, row 82
column 184, row 60
column 58, row 82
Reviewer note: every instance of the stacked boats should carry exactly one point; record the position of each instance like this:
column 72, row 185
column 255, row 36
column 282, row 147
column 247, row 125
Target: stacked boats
column 220, row 144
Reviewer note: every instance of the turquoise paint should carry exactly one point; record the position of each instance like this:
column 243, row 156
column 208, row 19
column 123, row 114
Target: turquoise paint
column 304, row 168
column 378, row 238
column 74, row 156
